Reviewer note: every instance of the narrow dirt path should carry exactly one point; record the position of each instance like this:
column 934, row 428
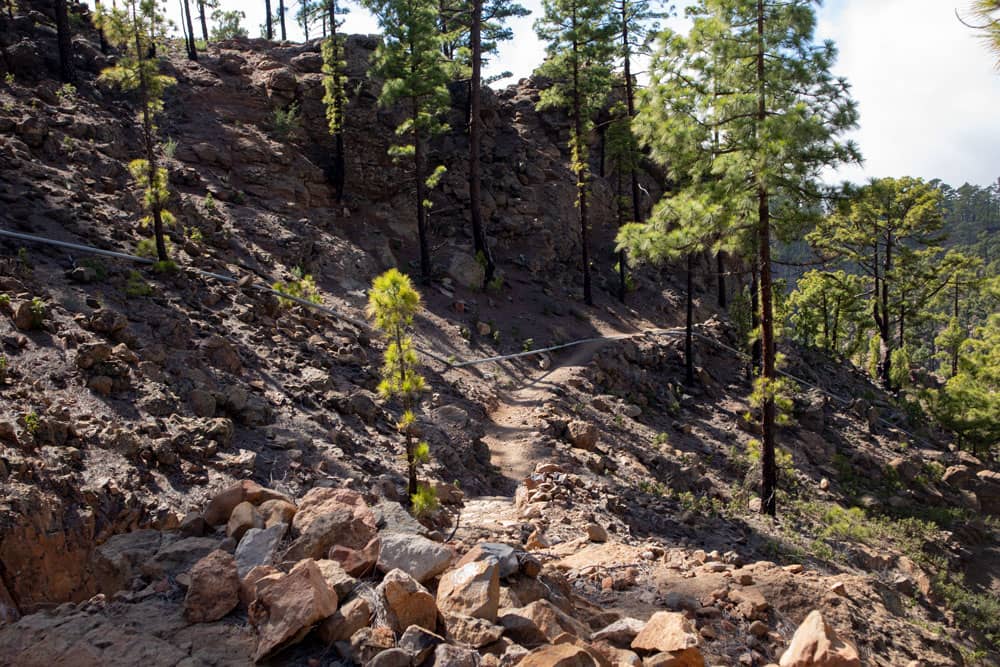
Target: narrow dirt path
column 510, row 434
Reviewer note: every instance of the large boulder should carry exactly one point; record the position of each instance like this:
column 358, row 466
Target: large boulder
column 214, row 589
column 407, row 602
column 327, row 518
column 471, row 590
column 288, row 606
column 419, row 557
column 815, row 644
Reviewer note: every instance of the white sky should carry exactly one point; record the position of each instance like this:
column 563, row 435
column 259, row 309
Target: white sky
column 927, row 87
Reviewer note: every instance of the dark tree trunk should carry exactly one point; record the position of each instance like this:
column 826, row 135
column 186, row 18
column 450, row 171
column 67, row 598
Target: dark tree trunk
column 100, row 32
column 882, row 320
column 418, row 170
column 204, row 20
column 769, row 473
column 192, row 47
column 581, row 170
column 339, row 159
column 269, row 30
column 630, row 107
column 65, row 39
column 281, row 19
column 754, row 321
column 720, row 272
column 689, row 324
column 475, row 141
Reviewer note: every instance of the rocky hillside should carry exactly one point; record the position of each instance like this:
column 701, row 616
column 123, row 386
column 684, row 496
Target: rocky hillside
column 194, row 473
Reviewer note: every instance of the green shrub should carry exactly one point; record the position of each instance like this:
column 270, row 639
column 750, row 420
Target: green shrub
column 285, row 121
column 3, row 367
column 37, row 309
column 209, row 204
column 32, row 423
column 170, row 147
column 302, row 286
column 136, row 286
column 425, row 501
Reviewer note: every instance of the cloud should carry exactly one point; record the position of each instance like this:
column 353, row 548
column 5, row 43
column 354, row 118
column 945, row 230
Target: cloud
column 926, row 87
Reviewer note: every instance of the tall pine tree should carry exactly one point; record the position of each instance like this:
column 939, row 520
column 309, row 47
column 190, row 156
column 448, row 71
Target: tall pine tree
column 747, row 108
column 412, row 68
column 135, row 30
column 580, row 46
column 335, row 98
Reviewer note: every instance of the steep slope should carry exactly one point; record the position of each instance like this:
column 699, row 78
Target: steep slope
column 132, row 399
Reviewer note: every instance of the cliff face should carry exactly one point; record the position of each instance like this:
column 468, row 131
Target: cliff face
column 133, row 403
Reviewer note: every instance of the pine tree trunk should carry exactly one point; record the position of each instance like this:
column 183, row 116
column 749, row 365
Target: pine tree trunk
column 769, row 473
column 65, row 40
column 720, row 272
column 418, row 172
column 100, row 32
column 689, row 324
column 281, row 18
column 269, row 30
column 580, row 168
column 339, row 159
column 192, row 47
column 754, row 320
column 475, row 141
column 204, row 21
column 885, row 335
column 630, row 107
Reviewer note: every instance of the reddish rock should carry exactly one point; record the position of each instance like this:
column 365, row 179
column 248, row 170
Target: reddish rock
column 214, row 588
column 357, row 562
column 471, row 590
column 243, row 517
column 667, row 631
column 327, row 518
column 815, row 644
column 558, row 655
column 248, row 584
column 347, row 620
column 540, row 622
column 288, row 606
column 223, row 504
column 407, row 602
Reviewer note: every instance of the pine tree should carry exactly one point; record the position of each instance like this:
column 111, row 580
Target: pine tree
column 827, row 310
column 281, row 19
column 65, row 40
column 580, row 47
column 204, row 5
column 410, row 63
column 636, row 21
column 335, row 98
column 494, row 15
column 192, row 49
column 135, row 30
column 268, row 21
column 228, row 25
column 392, row 304
column 745, row 108
column 876, row 230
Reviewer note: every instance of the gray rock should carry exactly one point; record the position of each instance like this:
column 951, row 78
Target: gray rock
column 416, row 555
column 258, row 547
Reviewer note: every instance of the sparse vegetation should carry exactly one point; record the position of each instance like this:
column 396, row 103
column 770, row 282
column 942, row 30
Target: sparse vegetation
column 136, row 286
column 285, row 121
column 301, row 286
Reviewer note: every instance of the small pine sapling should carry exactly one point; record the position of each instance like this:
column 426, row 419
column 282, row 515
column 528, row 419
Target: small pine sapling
column 392, row 305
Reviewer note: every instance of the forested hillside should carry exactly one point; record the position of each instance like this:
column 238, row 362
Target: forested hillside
column 328, row 353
